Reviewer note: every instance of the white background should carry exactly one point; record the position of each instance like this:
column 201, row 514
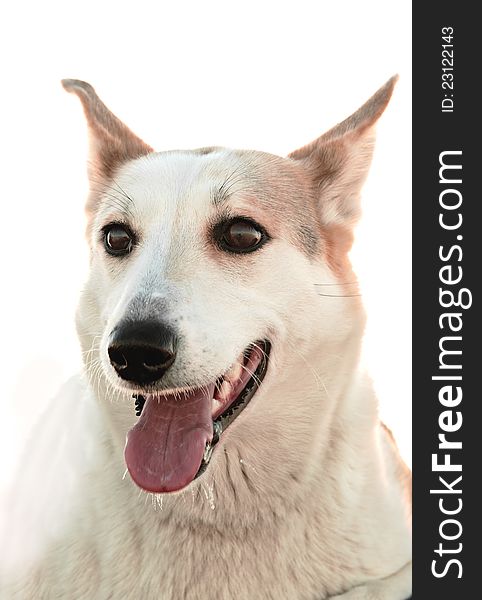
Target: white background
column 265, row 75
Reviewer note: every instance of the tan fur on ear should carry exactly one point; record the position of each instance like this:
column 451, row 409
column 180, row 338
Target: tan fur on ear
column 111, row 142
column 339, row 160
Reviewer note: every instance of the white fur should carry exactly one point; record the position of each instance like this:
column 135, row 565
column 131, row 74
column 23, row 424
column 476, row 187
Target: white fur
column 304, row 498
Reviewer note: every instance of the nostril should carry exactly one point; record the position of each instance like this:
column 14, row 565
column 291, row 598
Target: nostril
column 154, row 359
column 117, row 359
column 143, row 364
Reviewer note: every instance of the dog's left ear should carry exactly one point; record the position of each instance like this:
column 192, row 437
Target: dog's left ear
column 339, row 160
column 111, row 142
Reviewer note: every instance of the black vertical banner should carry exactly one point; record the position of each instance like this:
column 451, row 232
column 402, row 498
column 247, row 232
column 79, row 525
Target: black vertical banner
column 447, row 263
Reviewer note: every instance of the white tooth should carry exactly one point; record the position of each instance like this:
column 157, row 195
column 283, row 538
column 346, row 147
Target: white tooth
column 225, row 389
column 229, row 373
column 208, row 450
column 234, row 372
column 215, row 406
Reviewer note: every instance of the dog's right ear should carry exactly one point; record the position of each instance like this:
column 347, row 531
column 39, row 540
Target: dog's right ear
column 111, row 142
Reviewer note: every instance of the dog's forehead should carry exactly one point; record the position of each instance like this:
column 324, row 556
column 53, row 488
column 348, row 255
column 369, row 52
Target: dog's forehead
column 211, row 177
column 184, row 179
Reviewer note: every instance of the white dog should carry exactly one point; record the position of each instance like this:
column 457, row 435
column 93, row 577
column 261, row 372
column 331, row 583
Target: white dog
column 223, row 442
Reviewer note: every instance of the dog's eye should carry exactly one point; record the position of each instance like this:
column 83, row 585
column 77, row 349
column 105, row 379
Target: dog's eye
column 241, row 235
column 117, row 239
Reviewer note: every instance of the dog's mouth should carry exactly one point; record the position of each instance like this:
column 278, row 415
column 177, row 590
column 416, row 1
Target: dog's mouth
column 173, row 441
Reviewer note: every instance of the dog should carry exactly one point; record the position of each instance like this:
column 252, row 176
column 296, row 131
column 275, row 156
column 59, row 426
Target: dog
column 223, row 441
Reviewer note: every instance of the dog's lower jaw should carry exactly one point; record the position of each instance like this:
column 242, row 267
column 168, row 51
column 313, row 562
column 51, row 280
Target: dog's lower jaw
column 278, row 445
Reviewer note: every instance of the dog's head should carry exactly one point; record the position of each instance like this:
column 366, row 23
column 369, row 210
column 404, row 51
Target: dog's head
column 220, row 299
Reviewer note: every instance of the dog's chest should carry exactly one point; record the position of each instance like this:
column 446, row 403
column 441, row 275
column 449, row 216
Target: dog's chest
column 172, row 562
column 134, row 552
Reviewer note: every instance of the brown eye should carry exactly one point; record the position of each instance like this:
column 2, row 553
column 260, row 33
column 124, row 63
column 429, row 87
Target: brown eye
column 241, row 235
column 117, row 239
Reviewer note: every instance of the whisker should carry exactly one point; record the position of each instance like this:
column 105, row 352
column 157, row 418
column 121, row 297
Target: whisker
column 122, row 191
column 116, row 202
column 253, row 375
column 338, row 283
column 263, row 352
column 339, row 295
column 123, row 201
column 317, row 376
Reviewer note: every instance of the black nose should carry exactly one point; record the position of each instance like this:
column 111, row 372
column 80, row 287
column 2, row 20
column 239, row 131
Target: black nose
column 142, row 351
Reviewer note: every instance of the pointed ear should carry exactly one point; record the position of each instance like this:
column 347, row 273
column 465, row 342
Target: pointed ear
column 111, row 142
column 339, row 160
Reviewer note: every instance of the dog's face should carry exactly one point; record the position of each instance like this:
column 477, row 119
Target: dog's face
column 218, row 254
column 215, row 275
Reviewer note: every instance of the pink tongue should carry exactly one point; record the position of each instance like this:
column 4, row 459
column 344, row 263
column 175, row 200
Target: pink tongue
column 165, row 447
